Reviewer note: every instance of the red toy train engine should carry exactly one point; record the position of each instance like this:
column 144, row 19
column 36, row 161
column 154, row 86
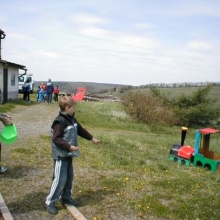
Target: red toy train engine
column 200, row 155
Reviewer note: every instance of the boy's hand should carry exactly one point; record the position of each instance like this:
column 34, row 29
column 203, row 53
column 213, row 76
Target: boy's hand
column 96, row 141
column 5, row 119
column 73, row 148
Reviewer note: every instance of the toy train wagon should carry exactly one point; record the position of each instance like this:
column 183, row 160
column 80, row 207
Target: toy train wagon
column 200, row 155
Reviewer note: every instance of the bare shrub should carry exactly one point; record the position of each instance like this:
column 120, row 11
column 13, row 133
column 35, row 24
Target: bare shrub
column 148, row 108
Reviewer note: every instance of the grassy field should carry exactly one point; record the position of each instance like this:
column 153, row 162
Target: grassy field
column 175, row 92
column 127, row 176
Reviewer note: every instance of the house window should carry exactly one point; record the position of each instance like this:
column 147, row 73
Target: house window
column 13, row 79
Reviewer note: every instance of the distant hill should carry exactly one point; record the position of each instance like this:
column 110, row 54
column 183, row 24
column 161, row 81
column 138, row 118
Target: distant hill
column 72, row 87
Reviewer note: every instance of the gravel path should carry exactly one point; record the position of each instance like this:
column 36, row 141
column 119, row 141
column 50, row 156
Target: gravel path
column 34, row 118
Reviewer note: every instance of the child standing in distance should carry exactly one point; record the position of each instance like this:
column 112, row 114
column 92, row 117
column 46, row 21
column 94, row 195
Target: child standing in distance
column 41, row 95
column 44, row 87
column 56, row 93
column 38, row 90
column 65, row 129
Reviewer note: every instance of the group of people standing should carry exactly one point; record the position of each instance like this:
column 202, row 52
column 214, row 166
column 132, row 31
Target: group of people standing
column 46, row 91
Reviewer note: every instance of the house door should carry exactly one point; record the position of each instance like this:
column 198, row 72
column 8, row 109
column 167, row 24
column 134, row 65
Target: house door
column 1, row 85
column 4, row 90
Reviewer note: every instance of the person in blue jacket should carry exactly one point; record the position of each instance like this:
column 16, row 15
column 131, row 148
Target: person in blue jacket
column 26, row 90
column 50, row 89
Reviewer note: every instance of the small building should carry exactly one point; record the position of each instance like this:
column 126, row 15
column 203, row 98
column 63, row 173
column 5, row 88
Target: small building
column 9, row 73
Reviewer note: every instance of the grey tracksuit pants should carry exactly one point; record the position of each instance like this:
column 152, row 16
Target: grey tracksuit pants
column 62, row 180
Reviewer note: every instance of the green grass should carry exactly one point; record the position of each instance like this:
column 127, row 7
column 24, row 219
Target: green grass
column 127, row 176
column 11, row 104
column 141, row 174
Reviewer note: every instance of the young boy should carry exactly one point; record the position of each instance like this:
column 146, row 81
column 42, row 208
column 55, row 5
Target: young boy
column 65, row 129
column 56, row 93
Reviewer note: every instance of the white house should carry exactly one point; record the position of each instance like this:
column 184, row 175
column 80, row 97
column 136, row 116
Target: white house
column 8, row 77
column 9, row 80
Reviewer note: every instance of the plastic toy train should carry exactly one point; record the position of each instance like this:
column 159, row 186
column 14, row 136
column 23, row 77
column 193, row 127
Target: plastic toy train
column 200, row 155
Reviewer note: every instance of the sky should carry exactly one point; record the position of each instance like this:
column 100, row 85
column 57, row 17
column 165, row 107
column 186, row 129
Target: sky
column 130, row 42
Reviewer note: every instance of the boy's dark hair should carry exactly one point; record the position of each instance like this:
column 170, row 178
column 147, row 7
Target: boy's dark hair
column 66, row 101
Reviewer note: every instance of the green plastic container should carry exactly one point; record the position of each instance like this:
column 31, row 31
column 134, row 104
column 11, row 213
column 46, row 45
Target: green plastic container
column 9, row 134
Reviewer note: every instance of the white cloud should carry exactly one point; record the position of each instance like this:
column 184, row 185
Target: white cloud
column 87, row 19
column 94, row 32
column 199, row 45
column 18, row 36
column 144, row 25
column 48, row 54
column 138, row 41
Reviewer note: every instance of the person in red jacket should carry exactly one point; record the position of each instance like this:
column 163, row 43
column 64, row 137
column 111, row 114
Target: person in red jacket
column 44, row 87
column 56, row 93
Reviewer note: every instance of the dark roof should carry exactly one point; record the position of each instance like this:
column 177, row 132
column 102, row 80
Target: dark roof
column 15, row 65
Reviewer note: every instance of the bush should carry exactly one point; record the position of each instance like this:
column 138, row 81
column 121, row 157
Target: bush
column 196, row 109
column 148, row 108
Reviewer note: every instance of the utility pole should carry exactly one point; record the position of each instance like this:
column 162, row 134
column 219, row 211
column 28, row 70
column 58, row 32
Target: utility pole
column 2, row 36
